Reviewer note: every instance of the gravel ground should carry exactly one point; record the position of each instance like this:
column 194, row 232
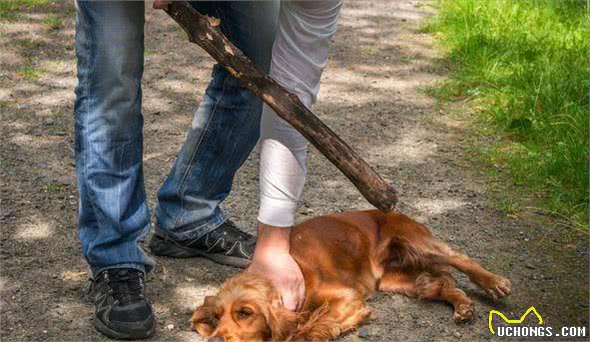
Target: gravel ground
column 372, row 95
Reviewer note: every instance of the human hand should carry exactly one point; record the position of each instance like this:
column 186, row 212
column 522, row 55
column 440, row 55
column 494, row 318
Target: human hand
column 161, row 4
column 272, row 261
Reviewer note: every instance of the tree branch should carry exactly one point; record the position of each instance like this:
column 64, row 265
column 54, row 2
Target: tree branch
column 205, row 32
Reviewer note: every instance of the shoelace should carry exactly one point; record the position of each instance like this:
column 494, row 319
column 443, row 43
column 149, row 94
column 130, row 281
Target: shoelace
column 127, row 285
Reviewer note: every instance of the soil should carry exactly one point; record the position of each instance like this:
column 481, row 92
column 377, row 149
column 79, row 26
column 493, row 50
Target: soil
column 372, row 96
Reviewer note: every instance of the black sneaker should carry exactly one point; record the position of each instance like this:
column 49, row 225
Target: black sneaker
column 226, row 245
column 122, row 310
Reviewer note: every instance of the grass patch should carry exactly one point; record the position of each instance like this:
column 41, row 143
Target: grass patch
column 51, row 188
column 31, row 44
column 29, row 72
column 522, row 69
column 9, row 8
column 53, row 22
column 507, row 205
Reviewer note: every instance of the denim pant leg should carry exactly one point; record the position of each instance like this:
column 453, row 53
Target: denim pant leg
column 113, row 215
column 224, row 131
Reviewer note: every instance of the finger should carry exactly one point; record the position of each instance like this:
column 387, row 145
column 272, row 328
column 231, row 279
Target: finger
column 301, row 296
column 299, row 305
column 289, row 302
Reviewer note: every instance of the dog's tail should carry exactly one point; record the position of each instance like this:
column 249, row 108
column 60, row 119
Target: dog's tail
column 422, row 253
column 401, row 253
column 406, row 243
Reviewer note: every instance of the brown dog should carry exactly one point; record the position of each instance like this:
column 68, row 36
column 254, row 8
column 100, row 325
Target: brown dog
column 344, row 258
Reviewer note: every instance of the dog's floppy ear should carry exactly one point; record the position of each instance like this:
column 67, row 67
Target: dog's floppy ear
column 205, row 318
column 281, row 321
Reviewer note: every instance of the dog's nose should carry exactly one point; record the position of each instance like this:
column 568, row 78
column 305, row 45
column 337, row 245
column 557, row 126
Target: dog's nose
column 216, row 339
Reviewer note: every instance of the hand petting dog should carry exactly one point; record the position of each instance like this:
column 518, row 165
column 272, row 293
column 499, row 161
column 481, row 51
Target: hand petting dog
column 272, row 261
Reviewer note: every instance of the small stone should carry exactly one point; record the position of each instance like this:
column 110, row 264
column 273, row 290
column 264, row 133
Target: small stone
column 45, row 331
column 363, row 332
column 170, row 326
column 457, row 334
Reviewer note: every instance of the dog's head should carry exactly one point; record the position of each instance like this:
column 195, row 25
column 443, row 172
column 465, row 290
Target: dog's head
column 247, row 308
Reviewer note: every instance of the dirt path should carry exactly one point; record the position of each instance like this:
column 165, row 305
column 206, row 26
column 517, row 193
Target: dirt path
column 372, row 95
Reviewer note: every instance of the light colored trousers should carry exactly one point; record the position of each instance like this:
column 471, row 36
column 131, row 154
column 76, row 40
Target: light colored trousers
column 299, row 55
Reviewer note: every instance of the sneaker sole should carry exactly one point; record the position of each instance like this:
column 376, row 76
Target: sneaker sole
column 173, row 250
column 138, row 335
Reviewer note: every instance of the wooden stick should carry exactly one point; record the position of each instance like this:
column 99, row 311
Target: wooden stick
column 205, row 32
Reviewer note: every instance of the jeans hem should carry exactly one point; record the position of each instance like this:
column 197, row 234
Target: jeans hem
column 194, row 232
column 96, row 270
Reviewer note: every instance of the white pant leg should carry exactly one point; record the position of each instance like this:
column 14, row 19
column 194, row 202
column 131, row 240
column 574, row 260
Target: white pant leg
column 300, row 53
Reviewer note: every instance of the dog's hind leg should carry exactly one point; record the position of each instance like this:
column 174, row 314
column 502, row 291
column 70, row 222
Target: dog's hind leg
column 494, row 285
column 415, row 249
column 427, row 286
column 398, row 282
column 441, row 286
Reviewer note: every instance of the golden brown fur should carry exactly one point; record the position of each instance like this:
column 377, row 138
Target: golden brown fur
column 344, row 259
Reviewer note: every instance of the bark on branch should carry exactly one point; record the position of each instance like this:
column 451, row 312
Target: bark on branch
column 205, row 32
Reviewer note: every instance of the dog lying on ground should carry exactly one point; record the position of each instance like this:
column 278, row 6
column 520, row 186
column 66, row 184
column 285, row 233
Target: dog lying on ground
column 344, row 259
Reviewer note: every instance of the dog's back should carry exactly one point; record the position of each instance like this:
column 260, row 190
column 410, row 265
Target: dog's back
column 369, row 250
column 353, row 248
column 335, row 250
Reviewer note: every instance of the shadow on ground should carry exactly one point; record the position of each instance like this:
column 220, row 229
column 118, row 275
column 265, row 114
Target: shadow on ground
column 371, row 96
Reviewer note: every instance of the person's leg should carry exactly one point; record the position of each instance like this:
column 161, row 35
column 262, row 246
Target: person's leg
column 113, row 215
column 109, row 135
column 300, row 54
column 224, row 130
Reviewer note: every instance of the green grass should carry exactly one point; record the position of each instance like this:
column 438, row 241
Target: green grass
column 51, row 187
column 9, row 8
column 522, row 68
column 31, row 44
column 29, row 72
column 53, row 22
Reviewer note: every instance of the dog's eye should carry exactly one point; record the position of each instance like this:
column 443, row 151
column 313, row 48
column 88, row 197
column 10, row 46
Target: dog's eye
column 244, row 313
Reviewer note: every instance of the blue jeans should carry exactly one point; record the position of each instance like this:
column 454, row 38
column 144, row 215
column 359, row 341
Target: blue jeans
column 113, row 213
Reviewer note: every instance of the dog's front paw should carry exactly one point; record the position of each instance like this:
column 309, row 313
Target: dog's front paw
column 464, row 312
column 498, row 287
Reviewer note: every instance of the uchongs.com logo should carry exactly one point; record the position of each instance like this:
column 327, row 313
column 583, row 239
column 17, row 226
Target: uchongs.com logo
column 515, row 327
